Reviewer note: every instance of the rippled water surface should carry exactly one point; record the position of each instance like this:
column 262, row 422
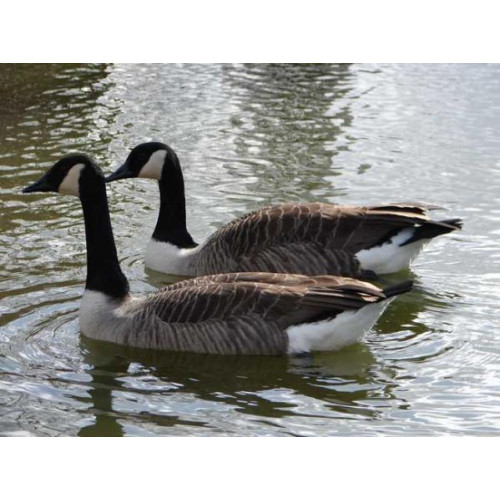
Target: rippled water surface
column 247, row 136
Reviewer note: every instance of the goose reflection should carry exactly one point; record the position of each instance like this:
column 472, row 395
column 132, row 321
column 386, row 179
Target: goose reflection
column 264, row 387
column 105, row 379
column 407, row 313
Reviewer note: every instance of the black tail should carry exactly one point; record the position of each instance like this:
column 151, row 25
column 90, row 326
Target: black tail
column 432, row 229
column 398, row 288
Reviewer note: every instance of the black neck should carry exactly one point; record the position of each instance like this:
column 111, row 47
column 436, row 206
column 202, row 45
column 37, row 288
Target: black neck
column 103, row 269
column 171, row 223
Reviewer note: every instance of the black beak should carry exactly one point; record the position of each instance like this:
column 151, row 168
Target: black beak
column 41, row 185
column 122, row 172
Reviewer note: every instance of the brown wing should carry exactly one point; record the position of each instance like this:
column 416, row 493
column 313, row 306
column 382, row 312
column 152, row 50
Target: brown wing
column 274, row 297
column 317, row 222
column 309, row 238
column 242, row 313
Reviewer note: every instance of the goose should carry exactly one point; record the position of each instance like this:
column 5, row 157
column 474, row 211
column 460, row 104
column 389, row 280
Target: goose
column 235, row 313
column 301, row 238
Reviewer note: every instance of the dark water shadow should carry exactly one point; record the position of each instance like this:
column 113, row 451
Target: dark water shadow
column 104, row 381
column 405, row 311
column 241, row 382
column 160, row 280
column 48, row 108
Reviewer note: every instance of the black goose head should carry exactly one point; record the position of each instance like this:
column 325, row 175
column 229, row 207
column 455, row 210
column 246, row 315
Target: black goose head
column 67, row 176
column 149, row 160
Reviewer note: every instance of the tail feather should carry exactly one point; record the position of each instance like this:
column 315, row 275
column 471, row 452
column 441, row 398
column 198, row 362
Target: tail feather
column 420, row 208
column 432, row 229
column 398, row 288
column 456, row 223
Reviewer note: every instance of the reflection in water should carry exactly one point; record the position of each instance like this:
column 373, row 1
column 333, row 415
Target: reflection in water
column 286, row 127
column 50, row 109
column 263, row 387
column 407, row 311
column 104, row 379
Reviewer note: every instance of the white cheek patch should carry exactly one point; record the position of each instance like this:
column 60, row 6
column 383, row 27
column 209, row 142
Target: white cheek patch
column 154, row 166
column 70, row 184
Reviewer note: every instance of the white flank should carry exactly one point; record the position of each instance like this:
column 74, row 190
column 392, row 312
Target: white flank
column 70, row 184
column 391, row 257
column 152, row 169
column 331, row 335
column 170, row 259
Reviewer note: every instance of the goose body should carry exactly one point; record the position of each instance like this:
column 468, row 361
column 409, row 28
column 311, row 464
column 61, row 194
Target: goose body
column 301, row 238
column 238, row 313
column 241, row 313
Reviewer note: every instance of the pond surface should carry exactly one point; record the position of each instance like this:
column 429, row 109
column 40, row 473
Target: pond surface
column 250, row 135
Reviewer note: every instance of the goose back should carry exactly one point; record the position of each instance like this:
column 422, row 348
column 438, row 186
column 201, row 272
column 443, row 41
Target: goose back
column 310, row 238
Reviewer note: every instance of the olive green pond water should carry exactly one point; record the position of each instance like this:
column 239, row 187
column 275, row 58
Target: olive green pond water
column 250, row 135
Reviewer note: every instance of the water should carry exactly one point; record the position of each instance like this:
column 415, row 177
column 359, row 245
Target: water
column 249, row 136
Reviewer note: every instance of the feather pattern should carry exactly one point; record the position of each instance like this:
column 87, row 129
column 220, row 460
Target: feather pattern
column 240, row 313
column 309, row 238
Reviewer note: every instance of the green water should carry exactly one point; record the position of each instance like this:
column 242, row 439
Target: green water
column 249, row 135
